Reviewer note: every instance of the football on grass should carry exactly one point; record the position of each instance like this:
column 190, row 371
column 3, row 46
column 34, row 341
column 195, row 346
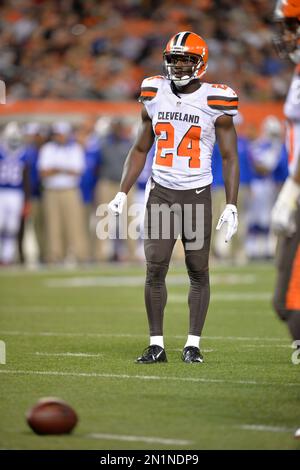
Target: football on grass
column 51, row 416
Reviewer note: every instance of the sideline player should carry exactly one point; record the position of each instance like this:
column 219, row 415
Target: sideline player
column 286, row 212
column 14, row 190
column 183, row 116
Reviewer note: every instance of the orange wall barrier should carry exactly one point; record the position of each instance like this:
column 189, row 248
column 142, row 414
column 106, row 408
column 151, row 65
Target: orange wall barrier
column 253, row 113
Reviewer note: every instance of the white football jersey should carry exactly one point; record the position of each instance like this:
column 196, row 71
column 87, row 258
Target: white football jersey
column 292, row 113
column 184, row 129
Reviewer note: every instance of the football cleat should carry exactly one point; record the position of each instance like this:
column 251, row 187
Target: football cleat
column 152, row 354
column 191, row 354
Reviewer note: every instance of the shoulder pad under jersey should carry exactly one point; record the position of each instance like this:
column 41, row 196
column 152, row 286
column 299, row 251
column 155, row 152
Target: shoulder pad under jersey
column 149, row 88
column 222, row 98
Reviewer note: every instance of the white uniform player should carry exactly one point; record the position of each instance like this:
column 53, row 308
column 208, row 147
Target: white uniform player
column 183, row 117
column 287, row 17
column 185, row 138
column 286, row 212
column 292, row 114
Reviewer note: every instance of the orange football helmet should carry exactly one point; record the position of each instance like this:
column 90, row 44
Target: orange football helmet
column 185, row 58
column 287, row 17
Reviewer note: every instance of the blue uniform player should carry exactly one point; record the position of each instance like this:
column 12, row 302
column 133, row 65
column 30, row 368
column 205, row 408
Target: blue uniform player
column 14, row 189
column 236, row 251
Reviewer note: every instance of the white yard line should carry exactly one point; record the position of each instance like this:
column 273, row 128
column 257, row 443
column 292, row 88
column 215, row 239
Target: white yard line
column 172, row 298
column 71, row 335
column 255, row 346
column 225, row 296
column 202, row 350
column 242, row 338
column 45, row 309
column 126, row 268
column 147, row 440
column 145, row 377
column 65, row 354
column 264, row 428
column 134, row 281
column 129, row 335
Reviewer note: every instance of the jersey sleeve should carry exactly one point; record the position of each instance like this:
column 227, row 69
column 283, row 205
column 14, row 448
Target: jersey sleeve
column 44, row 161
column 292, row 102
column 149, row 90
column 223, row 100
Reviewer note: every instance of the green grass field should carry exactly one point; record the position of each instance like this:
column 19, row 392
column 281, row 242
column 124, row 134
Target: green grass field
column 75, row 334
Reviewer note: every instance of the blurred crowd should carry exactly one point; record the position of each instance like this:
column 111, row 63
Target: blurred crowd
column 102, row 49
column 53, row 177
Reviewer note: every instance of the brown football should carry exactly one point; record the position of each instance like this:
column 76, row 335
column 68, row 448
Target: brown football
column 51, row 415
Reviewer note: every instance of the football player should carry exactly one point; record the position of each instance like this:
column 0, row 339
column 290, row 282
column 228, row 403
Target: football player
column 14, row 189
column 286, row 212
column 183, row 116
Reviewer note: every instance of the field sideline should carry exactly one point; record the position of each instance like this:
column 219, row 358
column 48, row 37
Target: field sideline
column 75, row 334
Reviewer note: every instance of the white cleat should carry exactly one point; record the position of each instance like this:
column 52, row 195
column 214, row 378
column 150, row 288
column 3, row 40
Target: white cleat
column 297, row 434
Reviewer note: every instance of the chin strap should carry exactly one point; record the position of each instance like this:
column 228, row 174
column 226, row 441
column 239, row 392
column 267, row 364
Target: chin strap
column 174, row 89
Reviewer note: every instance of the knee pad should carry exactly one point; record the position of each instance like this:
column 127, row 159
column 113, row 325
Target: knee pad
column 197, row 268
column 196, row 262
column 199, row 277
column 156, row 273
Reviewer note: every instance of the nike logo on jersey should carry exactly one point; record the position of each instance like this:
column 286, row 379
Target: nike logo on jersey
column 198, row 191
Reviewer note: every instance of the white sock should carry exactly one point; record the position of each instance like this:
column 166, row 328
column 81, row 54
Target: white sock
column 158, row 340
column 8, row 249
column 193, row 340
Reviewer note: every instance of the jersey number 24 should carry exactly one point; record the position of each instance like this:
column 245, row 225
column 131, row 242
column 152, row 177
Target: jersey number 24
column 189, row 146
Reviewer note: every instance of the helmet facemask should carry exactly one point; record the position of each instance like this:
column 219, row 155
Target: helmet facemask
column 182, row 68
column 12, row 136
column 287, row 40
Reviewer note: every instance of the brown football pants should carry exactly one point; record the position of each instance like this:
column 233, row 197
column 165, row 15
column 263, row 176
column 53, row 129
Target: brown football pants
column 286, row 300
column 186, row 210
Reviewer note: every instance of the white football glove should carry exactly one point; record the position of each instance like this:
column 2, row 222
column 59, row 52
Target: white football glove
column 230, row 216
column 117, row 204
column 283, row 220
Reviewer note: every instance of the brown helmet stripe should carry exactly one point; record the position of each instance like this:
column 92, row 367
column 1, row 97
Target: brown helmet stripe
column 176, row 39
column 184, row 39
